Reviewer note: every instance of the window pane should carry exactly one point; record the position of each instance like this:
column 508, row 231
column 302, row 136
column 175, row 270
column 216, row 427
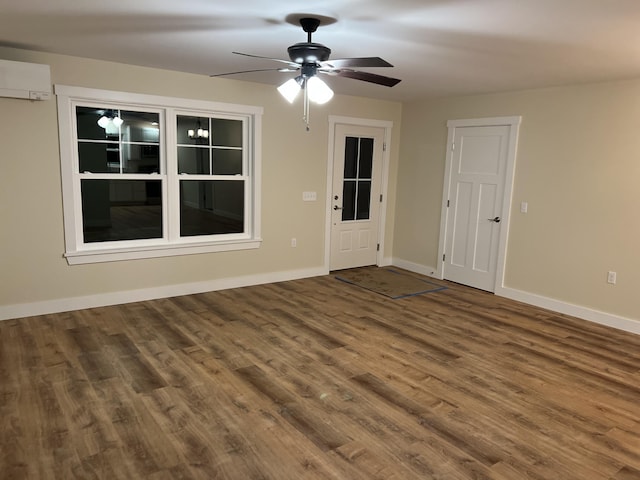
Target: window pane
column 87, row 124
column 364, row 200
column 366, row 158
column 140, row 158
column 348, row 200
column 193, row 160
column 121, row 210
column 226, row 133
column 350, row 157
column 87, row 119
column 105, row 158
column 193, row 130
column 140, row 126
column 227, row 162
column 209, row 207
column 99, row 157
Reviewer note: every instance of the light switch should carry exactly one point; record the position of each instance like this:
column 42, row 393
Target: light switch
column 309, row 196
column 524, row 207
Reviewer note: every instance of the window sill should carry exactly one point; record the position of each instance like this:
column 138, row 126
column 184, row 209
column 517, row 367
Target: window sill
column 136, row 253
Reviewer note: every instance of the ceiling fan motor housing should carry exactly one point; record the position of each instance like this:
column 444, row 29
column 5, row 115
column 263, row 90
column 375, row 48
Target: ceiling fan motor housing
column 307, row 52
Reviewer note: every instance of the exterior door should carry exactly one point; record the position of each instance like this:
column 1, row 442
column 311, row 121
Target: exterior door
column 356, row 196
column 479, row 161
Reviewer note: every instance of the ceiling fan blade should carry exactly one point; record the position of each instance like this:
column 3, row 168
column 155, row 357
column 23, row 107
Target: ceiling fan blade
column 253, row 71
column 288, row 62
column 364, row 76
column 360, row 62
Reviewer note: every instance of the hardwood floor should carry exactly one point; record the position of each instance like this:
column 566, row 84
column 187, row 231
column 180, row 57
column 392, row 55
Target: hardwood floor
column 318, row 379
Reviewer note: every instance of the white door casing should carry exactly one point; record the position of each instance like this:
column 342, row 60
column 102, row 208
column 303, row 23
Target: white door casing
column 477, row 200
column 353, row 241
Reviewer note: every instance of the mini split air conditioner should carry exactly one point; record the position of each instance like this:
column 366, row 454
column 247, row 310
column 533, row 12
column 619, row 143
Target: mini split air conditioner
column 25, row 80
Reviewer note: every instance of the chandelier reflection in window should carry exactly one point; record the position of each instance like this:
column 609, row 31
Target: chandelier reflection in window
column 199, row 133
column 108, row 118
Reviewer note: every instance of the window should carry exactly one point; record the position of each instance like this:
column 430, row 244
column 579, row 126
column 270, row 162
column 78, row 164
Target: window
column 147, row 176
column 210, row 167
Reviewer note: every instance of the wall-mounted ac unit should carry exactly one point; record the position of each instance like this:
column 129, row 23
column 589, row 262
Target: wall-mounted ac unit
column 25, row 80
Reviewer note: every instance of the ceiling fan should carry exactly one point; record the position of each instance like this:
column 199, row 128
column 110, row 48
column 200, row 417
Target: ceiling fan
column 310, row 59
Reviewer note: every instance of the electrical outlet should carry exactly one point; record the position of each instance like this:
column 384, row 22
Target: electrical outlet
column 294, row 242
column 611, row 278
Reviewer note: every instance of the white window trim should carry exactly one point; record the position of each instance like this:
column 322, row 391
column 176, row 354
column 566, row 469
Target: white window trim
column 77, row 252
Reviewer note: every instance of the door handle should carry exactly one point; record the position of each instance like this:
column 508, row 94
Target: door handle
column 496, row 219
column 336, row 207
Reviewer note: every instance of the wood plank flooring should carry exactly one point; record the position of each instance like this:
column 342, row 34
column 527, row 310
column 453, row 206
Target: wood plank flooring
column 318, row 379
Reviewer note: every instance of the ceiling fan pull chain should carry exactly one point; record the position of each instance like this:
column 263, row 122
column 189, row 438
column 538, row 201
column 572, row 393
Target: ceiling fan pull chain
column 306, row 105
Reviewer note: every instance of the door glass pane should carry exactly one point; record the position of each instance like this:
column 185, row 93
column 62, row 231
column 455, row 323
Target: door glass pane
column 226, row 133
column 193, row 130
column 121, row 210
column 366, row 158
column 99, row 157
column 193, row 160
column 139, row 126
column 209, row 207
column 364, row 200
column 349, row 200
column 227, row 162
column 350, row 157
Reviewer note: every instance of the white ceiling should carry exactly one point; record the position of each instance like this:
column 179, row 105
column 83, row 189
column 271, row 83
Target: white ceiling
column 438, row 47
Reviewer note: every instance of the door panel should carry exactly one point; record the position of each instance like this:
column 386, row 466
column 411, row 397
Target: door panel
column 355, row 212
column 480, row 155
column 462, row 216
column 486, row 230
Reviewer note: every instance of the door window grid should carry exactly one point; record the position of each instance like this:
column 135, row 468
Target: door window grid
column 358, row 167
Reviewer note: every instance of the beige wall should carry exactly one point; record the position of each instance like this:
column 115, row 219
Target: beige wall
column 578, row 167
column 31, row 234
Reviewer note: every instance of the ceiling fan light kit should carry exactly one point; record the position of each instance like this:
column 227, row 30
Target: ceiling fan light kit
column 310, row 59
column 290, row 89
column 319, row 92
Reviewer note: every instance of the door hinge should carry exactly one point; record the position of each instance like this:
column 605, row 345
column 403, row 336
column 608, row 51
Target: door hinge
column 381, row 197
column 378, row 247
column 384, row 146
column 443, row 257
column 447, row 203
column 453, row 146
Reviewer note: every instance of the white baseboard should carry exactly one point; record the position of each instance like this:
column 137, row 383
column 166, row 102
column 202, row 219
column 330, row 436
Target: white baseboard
column 596, row 316
column 584, row 313
column 116, row 298
column 416, row 267
column 386, row 262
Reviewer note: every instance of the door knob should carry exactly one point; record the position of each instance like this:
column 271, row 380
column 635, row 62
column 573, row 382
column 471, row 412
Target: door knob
column 336, row 207
column 496, row 219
